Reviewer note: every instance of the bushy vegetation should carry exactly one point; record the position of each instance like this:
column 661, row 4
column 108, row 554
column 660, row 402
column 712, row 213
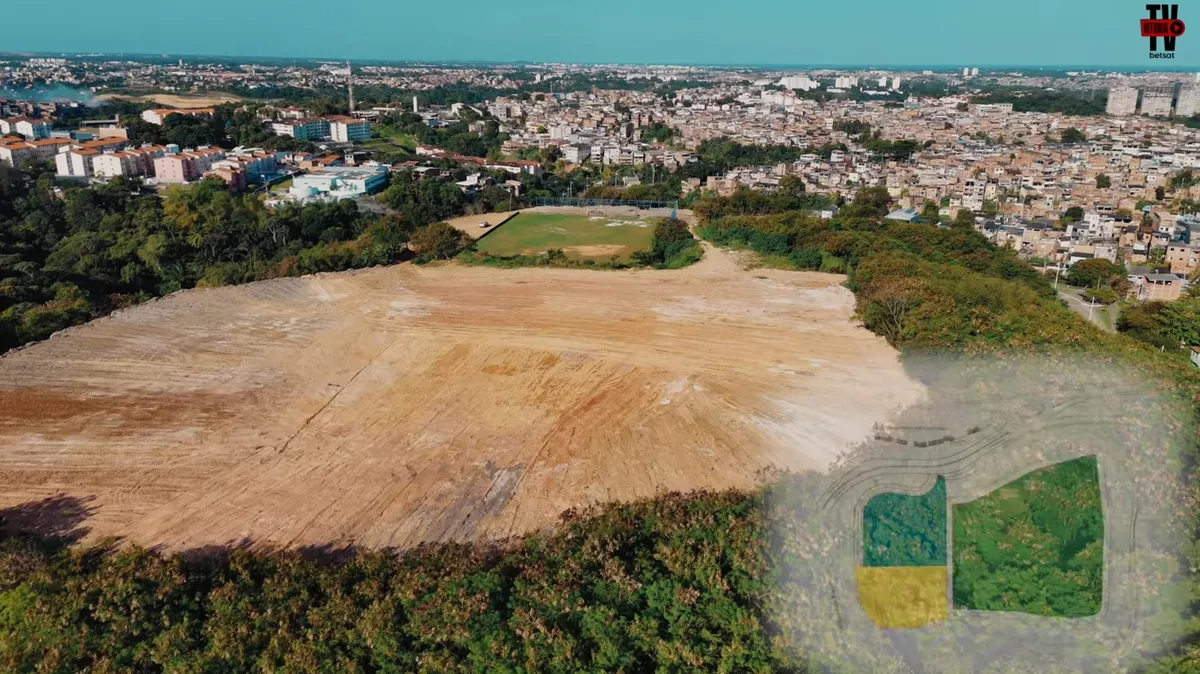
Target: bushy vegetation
column 672, row 585
column 69, row 254
column 722, row 154
column 1035, row 545
column 903, row 530
column 1171, row 326
column 1065, row 101
column 673, row 246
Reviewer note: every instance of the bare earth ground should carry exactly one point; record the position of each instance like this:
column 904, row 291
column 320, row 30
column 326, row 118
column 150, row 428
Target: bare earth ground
column 470, row 223
column 391, row 406
column 175, row 100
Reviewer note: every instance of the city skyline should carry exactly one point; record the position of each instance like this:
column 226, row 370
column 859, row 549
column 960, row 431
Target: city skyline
column 938, row 34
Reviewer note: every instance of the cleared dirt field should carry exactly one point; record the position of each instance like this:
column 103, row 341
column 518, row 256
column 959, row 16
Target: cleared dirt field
column 392, row 406
column 175, row 100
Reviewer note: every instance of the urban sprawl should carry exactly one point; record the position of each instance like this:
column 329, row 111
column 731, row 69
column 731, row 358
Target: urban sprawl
column 1112, row 182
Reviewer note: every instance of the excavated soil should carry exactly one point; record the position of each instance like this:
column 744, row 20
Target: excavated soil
column 399, row 405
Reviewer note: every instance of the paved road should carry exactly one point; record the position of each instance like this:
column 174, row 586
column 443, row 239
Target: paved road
column 1079, row 306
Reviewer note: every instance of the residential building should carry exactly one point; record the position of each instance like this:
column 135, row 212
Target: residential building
column 577, row 153
column 186, row 166
column 313, row 128
column 1122, row 101
column 1189, row 101
column 75, row 163
column 1161, row 287
column 1156, row 101
column 1183, row 258
column 18, row 152
column 349, row 129
column 31, row 129
column 234, row 177
column 116, row 164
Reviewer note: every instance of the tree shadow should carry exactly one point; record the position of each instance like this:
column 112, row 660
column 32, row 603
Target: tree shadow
column 59, row 517
column 328, row 553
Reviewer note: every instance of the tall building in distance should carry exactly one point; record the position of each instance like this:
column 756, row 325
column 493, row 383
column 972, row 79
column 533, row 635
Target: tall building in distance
column 1189, row 101
column 350, row 84
column 1156, row 101
column 1122, row 101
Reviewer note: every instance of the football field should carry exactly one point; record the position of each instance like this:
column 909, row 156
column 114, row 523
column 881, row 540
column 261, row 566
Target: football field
column 578, row 235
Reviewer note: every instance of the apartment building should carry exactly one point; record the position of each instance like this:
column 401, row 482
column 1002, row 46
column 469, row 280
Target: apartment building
column 234, row 177
column 1189, row 101
column 256, row 163
column 115, row 164
column 18, row 152
column 302, row 129
column 1183, row 258
column 187, row 166
column 1122, row 101
column 577, row 153
column 31, row 129
column 349, row 129
column 127, row 163
column 1156, row 101
column 75, row 163
column 79, row 160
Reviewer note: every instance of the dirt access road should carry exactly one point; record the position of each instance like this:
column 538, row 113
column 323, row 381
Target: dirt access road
column 397, row 405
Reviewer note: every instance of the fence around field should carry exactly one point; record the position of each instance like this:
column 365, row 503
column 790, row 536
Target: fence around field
column 497, row 225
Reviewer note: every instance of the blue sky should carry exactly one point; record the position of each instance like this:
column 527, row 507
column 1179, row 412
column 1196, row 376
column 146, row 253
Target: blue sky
column 886, row 32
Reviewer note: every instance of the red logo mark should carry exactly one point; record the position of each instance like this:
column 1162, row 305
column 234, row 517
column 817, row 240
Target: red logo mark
column 1162, row 28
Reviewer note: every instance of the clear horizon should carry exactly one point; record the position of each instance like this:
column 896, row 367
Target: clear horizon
column 1068, row 34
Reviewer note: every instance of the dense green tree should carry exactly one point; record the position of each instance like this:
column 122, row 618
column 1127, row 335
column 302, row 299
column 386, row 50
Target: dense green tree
column 1090, row 273
column 438, row 241
column 929, row 213
column 1071, row 135
column 964, row 219
column 1103, row 181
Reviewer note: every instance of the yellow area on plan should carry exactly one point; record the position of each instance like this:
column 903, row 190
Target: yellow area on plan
column 903, row 597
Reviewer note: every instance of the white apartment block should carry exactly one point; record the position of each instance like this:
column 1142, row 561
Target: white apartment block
column 1156, row 101
column 75, row 163
column 16, row 154
column 578, row 153
column 1189, row 101
column 31, row 129
column 1122, row 101
column 115, row 164
column 349, row 129
column 303, row 129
